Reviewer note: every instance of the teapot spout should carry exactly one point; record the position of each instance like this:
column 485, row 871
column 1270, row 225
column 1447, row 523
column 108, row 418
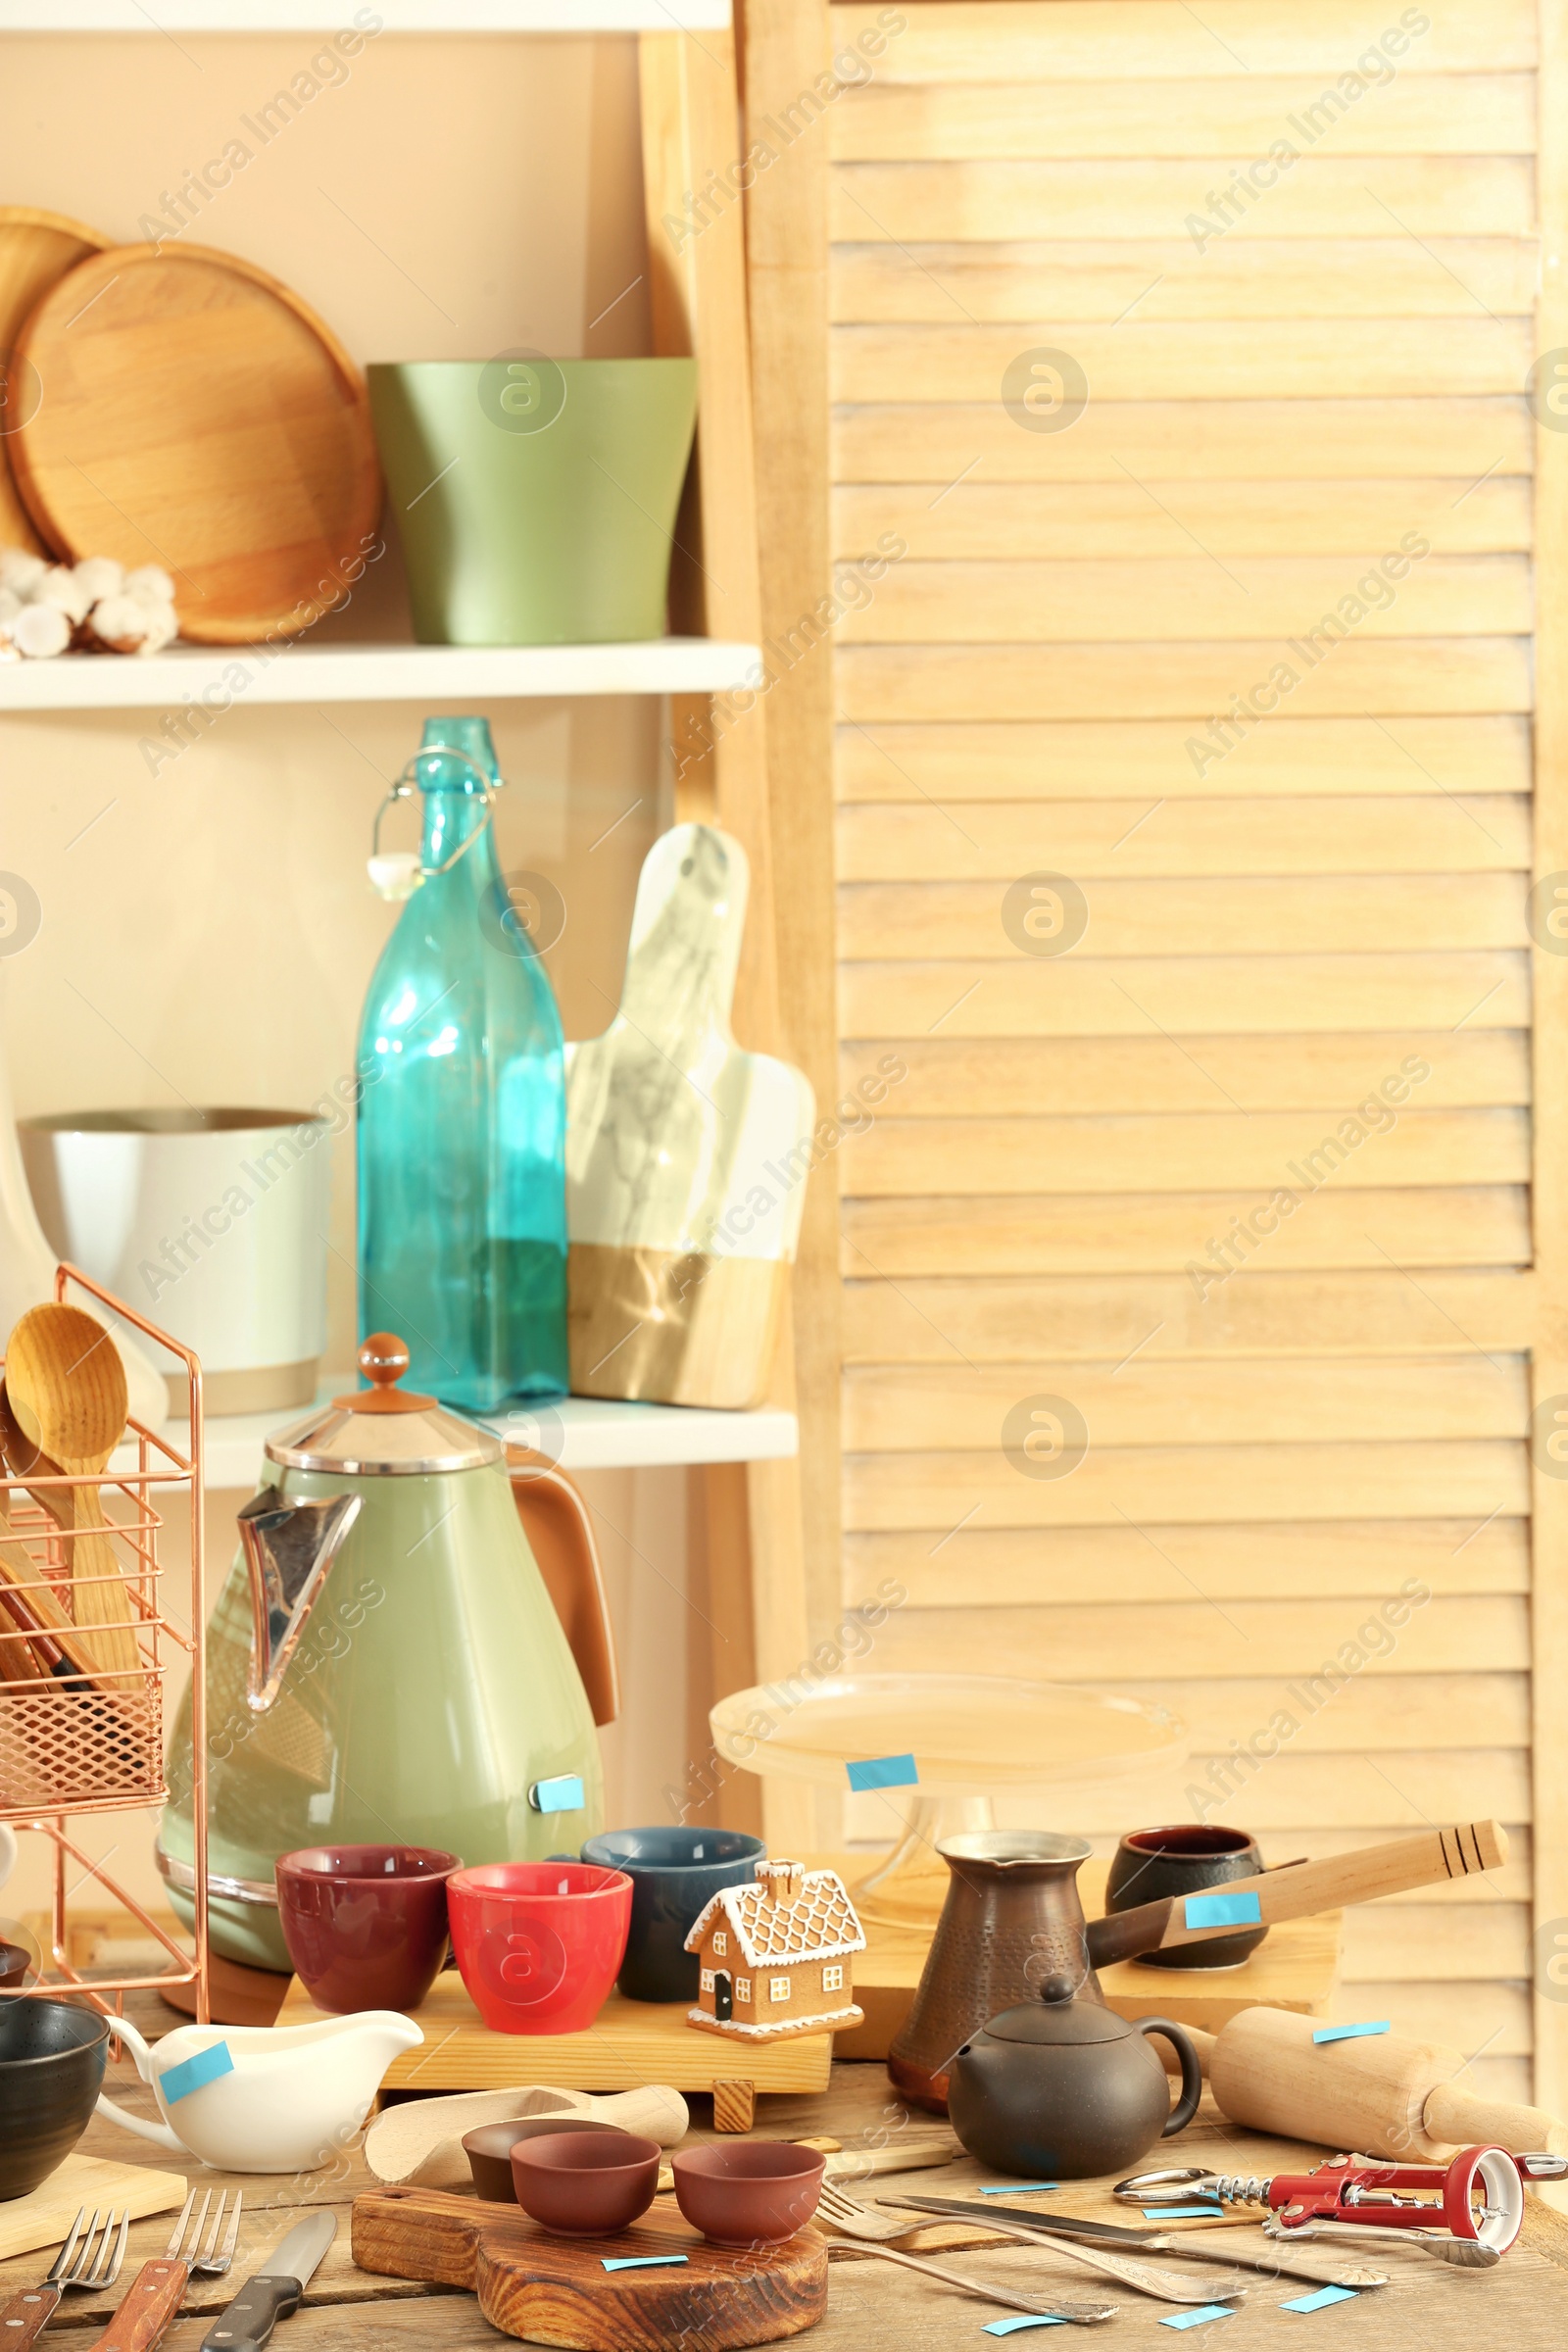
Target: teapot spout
column 289, row 1548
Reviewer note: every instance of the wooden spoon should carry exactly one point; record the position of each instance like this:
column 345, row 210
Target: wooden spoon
column 66, row 1391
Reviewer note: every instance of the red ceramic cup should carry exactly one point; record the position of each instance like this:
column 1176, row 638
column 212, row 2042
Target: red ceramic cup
column 366, row 1925
column 539, row 1943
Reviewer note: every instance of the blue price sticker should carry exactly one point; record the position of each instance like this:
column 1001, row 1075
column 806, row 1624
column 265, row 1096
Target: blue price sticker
column 1020, row 2188
column 1349, row 2033
column 1222, row 1910
column 1195, row 2318
column 883, row 1771
column 178, row 2082
column 1025, row 2319
column 639, row 2262
column 563, row 1794
column 1322, row 2299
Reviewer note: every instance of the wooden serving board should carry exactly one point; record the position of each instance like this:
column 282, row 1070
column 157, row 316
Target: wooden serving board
column 197, row 416
column 37, row 249
column 44, row 2217
column 629, row 2043
column 555, row 2291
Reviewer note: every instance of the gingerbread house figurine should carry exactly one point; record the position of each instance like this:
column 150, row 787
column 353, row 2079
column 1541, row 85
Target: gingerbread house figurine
column 775, row 1957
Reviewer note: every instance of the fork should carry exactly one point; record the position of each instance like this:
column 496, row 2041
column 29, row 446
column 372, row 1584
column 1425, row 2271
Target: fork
column 1145, row 2276
column 28, row 2313
column 158, row 2289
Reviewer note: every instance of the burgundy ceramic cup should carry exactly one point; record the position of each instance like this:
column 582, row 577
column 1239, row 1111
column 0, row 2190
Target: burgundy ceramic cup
column 585, row 2183
column 758, row 2193
column 366, row 1925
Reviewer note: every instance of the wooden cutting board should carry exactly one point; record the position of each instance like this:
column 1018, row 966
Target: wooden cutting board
column 44, row 2217
column 37, row 249
column 555, row 2291
column 196, row 415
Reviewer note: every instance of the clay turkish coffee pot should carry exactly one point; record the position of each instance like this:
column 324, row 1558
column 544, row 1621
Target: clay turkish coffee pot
column 1064, row 2089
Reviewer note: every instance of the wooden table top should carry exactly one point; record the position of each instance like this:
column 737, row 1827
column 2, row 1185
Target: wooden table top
column 874, row 2307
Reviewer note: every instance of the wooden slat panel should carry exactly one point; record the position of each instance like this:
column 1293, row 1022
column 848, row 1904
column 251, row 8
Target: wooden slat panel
column 1203, row 1642
column 1320, row 196
column 1181, row 1154
column 1079, row 40
column 1411, row 113
column 1240, row 277
column 1388, row 676
column 1111, row 758
column 1422, row 1942
column 924, row 1409
column 1074, row 996
column 984, row 1567
column 1257, row 915
column 1146, row 359
column 1034, row 521
column 999, row 840
column 1063, row 1075
column 1150, row 1232
column 1185, row 1482
column 1193, row 440
column 1101, row 1318
column 1150, row 598
column 1470, row 2015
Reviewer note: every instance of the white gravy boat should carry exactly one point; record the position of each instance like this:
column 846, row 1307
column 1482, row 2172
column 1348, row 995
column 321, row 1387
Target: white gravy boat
column 291, row 2099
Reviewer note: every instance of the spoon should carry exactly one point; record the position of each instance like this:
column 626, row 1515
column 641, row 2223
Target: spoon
column 67, row 1390
column 843, row 2214
column 1461, row 2253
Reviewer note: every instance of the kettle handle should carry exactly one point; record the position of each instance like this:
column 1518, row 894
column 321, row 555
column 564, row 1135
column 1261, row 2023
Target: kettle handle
column 561, row 1535
column 1186, row 2107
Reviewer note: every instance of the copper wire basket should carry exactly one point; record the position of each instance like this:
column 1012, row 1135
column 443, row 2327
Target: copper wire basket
column 74, row 1741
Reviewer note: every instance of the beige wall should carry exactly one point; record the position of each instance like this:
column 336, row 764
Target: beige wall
column 208, row 934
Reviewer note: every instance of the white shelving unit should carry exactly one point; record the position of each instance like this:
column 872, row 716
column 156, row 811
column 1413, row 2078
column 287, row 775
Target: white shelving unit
column 209, row 674
column 579, row 1433
column 397, row 15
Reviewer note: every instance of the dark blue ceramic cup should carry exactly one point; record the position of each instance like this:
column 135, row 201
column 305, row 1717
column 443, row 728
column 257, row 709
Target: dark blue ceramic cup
column 674, row 1874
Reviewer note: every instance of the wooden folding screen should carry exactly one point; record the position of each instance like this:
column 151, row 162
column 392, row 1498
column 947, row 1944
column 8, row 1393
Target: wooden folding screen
column 1196, row 756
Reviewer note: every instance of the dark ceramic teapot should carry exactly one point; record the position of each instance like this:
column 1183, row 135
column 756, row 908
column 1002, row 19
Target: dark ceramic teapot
column 1064, row 2089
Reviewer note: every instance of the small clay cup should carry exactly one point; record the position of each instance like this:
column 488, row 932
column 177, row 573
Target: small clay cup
column 758, row 2193
column 489, row 2150
column 1188, row 1858
column 17, row 1963
column 585, row 2183
column 51, row 2071
column 366, row 1925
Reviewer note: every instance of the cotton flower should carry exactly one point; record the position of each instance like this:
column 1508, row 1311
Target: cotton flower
column 39, row 630
column 60, row 586
column 19, row 569
column 123, row 625
column 94, row 605
column 100, row 576
column 149, row 584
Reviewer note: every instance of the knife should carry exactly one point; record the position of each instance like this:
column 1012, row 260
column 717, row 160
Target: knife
column 273, row 2293
column 1195, row 2243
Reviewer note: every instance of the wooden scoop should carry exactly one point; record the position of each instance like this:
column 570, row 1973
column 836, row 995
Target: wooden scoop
column 66, row 1386
column 419, row 2141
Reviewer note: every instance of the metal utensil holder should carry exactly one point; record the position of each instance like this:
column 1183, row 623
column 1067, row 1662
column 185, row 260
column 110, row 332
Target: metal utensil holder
column 70, row 1746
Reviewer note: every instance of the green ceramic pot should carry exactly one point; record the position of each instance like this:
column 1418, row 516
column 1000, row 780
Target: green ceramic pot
column 536, row 498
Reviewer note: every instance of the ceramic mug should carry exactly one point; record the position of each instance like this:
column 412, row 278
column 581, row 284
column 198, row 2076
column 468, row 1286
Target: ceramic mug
column 1185, row 1859
column 674, row 1874
column 366, row 1925
column 539, row 1943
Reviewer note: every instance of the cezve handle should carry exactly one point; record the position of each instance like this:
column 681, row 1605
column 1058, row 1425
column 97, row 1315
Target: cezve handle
column 153, row 2297
column 1307, row 1887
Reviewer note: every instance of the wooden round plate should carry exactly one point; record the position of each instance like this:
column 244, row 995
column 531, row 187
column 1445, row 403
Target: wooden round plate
column 195, row 414
column 37, row 249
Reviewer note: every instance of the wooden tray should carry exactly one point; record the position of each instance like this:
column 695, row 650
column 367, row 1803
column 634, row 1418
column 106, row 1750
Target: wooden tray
column 44, row 2217
column 629, row 2043
column 197, row 416
column 37, row 249
column 555, row 2291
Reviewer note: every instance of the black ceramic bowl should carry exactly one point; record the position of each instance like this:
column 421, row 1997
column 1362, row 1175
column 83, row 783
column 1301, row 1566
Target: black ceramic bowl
column 1189, row 1858
column 51, row 2071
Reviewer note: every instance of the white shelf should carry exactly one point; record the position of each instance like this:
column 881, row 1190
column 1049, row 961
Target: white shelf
column 375, row 673
column 581, row 1433
column 334, row 16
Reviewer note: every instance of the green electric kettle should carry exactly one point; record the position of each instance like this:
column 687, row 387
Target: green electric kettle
column 412, row 1647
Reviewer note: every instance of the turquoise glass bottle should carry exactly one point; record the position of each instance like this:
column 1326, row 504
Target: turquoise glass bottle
column 462, row 1117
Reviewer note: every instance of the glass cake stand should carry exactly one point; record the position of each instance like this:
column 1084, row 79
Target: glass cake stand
column 973, row 1738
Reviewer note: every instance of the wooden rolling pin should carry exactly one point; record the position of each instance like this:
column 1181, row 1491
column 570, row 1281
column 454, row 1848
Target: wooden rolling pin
column 1307, row 1887
column 1377, row 2095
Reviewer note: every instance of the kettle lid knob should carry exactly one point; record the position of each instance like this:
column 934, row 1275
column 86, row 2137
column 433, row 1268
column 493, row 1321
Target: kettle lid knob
column 383, row 1359
column 1059, row 1988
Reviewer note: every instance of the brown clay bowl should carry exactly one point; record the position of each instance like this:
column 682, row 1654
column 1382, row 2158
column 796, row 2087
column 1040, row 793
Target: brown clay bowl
column 17, row 1964
column 489, row 2150
column 585, row 2183
column 759, row 2193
